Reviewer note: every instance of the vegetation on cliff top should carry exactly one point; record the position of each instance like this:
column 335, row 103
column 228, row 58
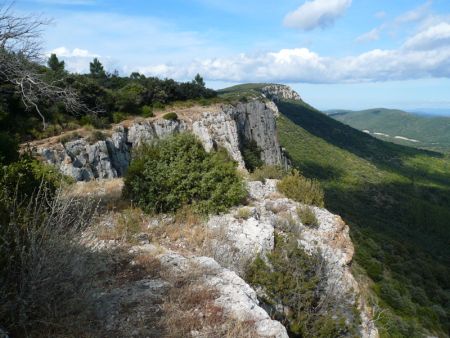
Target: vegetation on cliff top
column 177, row 171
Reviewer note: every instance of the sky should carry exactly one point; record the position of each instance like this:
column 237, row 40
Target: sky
column 349, row 54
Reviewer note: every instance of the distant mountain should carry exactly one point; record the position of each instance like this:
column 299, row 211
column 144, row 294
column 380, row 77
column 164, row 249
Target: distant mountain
column 411, row 129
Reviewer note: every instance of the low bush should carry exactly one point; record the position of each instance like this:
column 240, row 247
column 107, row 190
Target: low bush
column 170, row 116
column 307, row 216
column 301, row 189
column 243, row 213
column 95, row 136
column 23, row 178
column 267, row 172
column 292, row 278
column 177, row 171
column 118, row 116
column 147, row 111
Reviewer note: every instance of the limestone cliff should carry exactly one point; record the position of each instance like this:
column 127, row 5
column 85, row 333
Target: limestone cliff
column 231, row 242
column 228, row 127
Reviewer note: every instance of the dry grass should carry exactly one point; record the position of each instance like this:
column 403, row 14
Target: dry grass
column 108, row 193
column 187, row 231
column 47, row 276
column 190, row 304
column 276, row 207
column 286, row 222
column 243, row 213
column 307, row 216
column 123, row 226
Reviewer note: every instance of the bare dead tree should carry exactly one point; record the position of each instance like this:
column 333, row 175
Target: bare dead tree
column 20, row 53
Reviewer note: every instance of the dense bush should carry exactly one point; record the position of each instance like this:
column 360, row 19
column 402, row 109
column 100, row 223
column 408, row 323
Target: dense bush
column 301, row 189
column 147, row 111
column 170, row 116
column 177, row 171
column 293, row 278
column 251, row 154
column 24, row 177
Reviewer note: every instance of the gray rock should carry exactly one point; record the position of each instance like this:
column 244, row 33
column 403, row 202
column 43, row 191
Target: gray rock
column 227, row 128
column 277, row 92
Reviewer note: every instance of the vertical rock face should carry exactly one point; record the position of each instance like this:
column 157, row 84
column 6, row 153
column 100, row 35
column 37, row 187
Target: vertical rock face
column 255, row 121
column 219, row 129
column 228, row 128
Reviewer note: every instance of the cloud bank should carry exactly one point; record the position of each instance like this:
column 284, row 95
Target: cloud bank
column 424, row 55
column 316, row 13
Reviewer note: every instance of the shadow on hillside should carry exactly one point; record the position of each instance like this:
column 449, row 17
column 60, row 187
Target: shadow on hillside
column 410, row 214
column 321, row 172
column 385, row 155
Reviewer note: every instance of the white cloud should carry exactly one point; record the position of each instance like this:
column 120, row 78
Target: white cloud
column 76, row 52
column 316, row 13
column 372, row 35
column 437, row 36
column 415, row 59
column 415, row 14
column 77, row 60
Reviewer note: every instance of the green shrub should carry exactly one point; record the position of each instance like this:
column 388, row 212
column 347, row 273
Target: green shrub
column 251, row 154
column 118, row 117
column 307, row 216
column 24, row 177
column 267, row 172
column 301, row 189
column 291, row 277
column 170, row 116
column 94, row 121
column 147, row 111
column 178, row 171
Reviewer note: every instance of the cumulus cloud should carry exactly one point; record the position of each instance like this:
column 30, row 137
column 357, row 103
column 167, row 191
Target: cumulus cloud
column 415, row 14
column 76, row 52
column 417, row 58
column 437, row 36
column 316, row 13
column 77, row 60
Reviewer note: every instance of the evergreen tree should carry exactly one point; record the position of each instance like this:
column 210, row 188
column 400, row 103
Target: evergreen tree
column 96, row 69
column 199, row 80
column 54, row 64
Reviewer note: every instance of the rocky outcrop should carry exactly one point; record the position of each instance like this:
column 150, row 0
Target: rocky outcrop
column 229, row 128
column 278, row 92
column 239, row 241
column 238, row 300
column 219, row 129
column 255, row 121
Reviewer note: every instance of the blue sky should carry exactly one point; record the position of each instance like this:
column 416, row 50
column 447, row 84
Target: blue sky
column 336, row 53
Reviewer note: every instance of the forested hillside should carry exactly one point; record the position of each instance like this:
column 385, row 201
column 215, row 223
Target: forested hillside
column 397, row 202
column 420, row 131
